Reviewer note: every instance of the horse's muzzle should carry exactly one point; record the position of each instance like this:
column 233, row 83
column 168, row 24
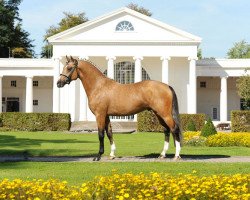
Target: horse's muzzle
column 60, row 83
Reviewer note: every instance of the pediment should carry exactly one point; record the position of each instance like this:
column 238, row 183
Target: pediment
column 104, row 29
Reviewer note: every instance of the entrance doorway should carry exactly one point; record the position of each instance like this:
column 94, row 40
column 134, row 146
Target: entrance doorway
column 12, row 104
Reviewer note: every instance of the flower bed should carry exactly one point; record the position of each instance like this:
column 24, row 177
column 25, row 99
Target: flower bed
column 229, row 139
column 129, row 186
column 217, row 140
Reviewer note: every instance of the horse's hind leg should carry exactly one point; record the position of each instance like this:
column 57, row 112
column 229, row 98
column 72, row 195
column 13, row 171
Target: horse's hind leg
column 176, row 135
column 167, row 135
column 108, row 129
column 166, row 142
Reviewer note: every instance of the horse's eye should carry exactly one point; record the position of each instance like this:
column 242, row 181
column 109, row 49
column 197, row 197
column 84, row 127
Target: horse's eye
column 69, row 68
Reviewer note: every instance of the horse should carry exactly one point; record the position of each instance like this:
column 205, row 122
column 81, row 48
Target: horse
column 107, row 97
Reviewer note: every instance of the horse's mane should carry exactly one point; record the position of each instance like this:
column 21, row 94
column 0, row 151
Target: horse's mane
column 89, row 61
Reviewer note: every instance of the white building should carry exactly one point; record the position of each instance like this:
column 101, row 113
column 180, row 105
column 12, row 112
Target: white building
column 128, row 47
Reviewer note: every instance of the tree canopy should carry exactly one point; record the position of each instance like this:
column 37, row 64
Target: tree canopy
column 139, row 9
column 14, row 41
column 70, row 20
column 243, row 86
column 240, row 49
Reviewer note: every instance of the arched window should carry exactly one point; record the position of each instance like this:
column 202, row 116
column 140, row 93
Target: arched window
column 124, row 26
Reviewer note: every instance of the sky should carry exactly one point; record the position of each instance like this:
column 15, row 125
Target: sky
column 220, row 23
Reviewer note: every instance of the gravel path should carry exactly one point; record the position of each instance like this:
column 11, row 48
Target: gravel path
column 214, row 159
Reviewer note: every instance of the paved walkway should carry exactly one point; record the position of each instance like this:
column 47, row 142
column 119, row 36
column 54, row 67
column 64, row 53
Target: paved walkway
column 187, row 158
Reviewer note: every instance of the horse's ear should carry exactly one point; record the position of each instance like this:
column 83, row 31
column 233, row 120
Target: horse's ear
column 67, row 58
column 71, row 58
column 76, row 61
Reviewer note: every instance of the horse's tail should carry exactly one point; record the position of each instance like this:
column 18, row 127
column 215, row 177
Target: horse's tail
column 175, row 114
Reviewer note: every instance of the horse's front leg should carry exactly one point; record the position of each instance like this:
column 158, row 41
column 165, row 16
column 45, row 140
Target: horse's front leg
column 108, row 129
column 101, row 127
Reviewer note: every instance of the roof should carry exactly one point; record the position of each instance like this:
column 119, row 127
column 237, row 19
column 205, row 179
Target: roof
column 162, row 32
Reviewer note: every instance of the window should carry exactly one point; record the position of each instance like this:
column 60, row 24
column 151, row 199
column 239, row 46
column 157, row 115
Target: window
column 124, row 26
column 13, row 83
column 35, row 102
column 35, row 83
column 215, row 113
column 203, row 84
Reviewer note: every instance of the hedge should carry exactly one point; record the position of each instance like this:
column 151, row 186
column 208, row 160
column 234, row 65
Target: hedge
column 240, row 120
column 147, row 121
column 35, row 121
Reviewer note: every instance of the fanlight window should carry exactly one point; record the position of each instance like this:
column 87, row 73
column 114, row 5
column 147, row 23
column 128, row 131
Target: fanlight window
column 124, row 26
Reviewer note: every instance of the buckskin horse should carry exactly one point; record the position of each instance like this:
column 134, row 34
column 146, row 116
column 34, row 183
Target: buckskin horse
column 107, row 97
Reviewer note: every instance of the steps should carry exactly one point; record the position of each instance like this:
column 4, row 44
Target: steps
column 91, row 126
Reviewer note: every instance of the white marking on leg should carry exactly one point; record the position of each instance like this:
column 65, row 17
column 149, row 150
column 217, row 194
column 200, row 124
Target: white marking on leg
column 177, row 148
column 165, row 148
column 113, row 148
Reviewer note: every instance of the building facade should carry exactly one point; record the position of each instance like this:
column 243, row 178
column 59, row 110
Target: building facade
column 128, row 47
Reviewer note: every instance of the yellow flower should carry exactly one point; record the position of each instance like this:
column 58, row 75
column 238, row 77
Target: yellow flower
column 126, row 195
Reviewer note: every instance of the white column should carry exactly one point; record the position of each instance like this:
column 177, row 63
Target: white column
column 192, row 90
column 1, row 93
column 110, row 70
column 29, row 94
column 165, row 69
column 138, row 68
column 223, row 99
column 56, row 90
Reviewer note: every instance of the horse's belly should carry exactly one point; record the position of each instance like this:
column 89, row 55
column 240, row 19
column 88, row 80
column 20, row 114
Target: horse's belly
column 126, row 108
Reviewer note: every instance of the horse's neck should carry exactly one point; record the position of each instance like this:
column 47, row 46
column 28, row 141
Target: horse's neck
column 90, row 76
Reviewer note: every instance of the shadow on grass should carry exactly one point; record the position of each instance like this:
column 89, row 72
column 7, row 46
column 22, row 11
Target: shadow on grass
column 185, row 156
column 12, row 141
column 13, row 146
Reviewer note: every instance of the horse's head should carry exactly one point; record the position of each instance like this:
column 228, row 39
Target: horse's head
column 69, row 72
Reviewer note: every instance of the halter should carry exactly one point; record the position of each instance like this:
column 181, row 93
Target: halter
column 68, row 77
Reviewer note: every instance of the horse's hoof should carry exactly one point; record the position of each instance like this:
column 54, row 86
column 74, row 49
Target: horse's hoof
column 162, row 157
column 97, row 158
column 111, row 157
column 176, row 158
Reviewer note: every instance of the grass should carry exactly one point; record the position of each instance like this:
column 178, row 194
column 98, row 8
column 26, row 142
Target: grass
column 140, row 144
column 77, row 173
column 69, row 144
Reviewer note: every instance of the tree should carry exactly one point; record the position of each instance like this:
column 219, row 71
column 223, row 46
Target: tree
column 11, row 33
column 240, row 49
column 70, row 20
column 199, row 53
column 243, row 87
column 139, row 9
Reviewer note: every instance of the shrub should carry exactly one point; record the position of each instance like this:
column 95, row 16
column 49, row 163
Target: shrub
column 198, row 119
column 130, row 186
column 229, row 139
column 191, row 126
column 208, row 129
column 36, row 121
column 148, row 122
column 240, row 121
column 192, row 138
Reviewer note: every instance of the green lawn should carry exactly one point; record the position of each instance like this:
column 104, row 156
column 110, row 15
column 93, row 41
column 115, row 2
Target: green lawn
column 69, row 144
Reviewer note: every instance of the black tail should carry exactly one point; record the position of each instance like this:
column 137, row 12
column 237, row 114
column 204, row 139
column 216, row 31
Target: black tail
column 175, row 113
